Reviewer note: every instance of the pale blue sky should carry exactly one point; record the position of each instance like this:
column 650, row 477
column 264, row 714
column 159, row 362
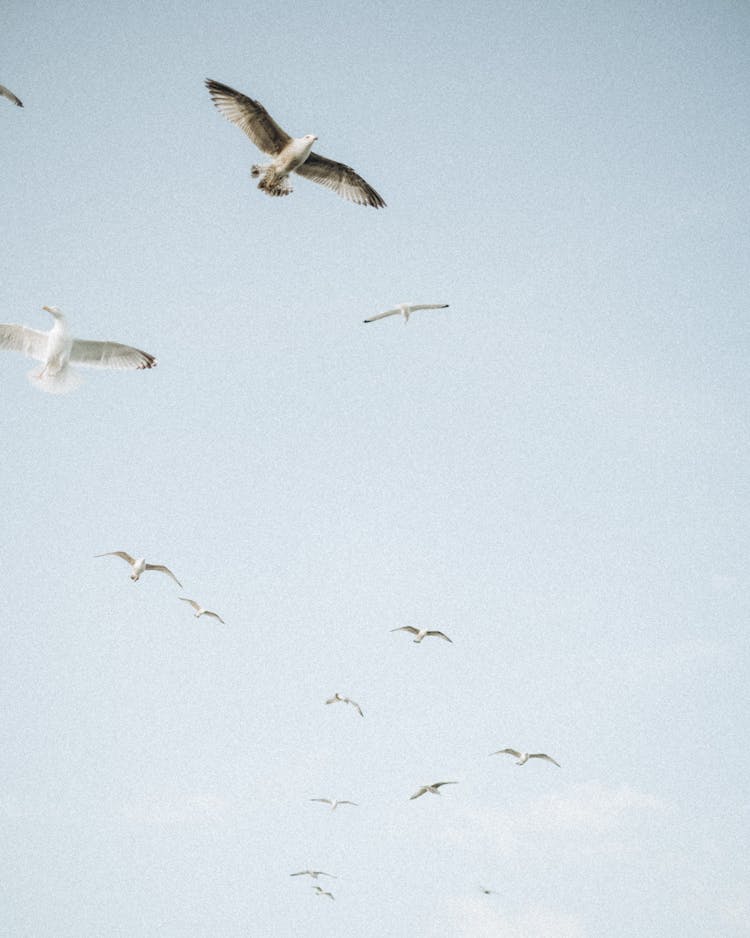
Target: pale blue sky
column 554, row 471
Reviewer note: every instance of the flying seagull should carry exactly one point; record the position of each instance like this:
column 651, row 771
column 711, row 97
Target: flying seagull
column 290, row 154
column 421, row 633
column 406, row 309
column 321, row 892
column 431, row 788
column 488, row 892
column 314, row 873
column 333, row 803
column 58, row 350
column 6, row 93
column 140, row 565
column 340, row 698
column 524, row 757
column 201, row 610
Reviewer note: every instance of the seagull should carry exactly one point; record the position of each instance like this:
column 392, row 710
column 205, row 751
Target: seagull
column 421, row 633
column 314, row 873
column 321, row 892
column 199, row 610
column 339, row 697
column 524, row 757
column 58, row 350
column 406, row 309
column 5, row 93
column 431, row 788
column 333, row 803
column 290, row 154
column 488, row 892
column 140, row 565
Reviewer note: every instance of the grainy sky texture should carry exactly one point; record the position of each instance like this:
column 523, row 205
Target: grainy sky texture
column 553, row 471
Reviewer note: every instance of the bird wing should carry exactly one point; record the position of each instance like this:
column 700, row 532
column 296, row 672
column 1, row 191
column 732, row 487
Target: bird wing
column 249, row 116
column 321, row 873
column 543, row 755
column 439, row 635
column 418, row 794
column 162, row 569
column 429, row 306
column 356, row 707
column 118, row 553
column 406, row 628
column 29, row 342
column 301, row 873
column 192, row 602
column 6, row 93
column 214, row 615
column 109, row 355
column 348, row 802
column 438, row 784
column 341, row 179
column 331, row 700
column 388, row 312
column 509, row 752
column 323, row 800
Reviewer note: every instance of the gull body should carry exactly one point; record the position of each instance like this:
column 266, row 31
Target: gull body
column 138, row 565
column 523, row 757
column 321, row 892
column 406, row 309
column 422, row 633
column 339, row 698
column 7, row 93
column 333, row 802
column 433, row 789
column 58, row 350
column 201, row 610
column 314, row 873
column 289, row 154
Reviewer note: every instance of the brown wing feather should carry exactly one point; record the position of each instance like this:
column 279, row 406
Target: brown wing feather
column 341, row 179
column 250, row 116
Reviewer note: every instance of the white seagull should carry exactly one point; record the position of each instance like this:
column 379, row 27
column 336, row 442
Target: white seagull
column 431, row 788
column 290, row 154
column 321, row 892
column 333, row 802
column 340, row 698
column 6, row 93
column 200, row 610
column 406, row 309
column 58, row 350
column 139, row 565
column 314, row 873
column 421, row 633
column 523, row 757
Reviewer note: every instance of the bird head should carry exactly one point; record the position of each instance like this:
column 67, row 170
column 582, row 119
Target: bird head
column 53, row 311
column 310, row 138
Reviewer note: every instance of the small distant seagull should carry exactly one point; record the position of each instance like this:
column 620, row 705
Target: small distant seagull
column 201, row 610
column 406, row 309
column 524, row 757
column 431, row 788
column 340, row 698
column 421, row 633
column 58, row 350
column 289, row 154
column 488, row 892
column 321, row 892
column 333, row 803
column 139, row 566
column 5, row 93
column 314, row 873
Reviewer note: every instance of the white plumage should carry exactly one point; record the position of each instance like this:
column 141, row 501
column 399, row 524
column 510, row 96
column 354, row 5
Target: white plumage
column 405, row 310
column 139, row 565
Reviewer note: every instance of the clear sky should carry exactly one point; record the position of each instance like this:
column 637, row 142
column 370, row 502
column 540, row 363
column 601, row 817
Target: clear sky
column 553, row 471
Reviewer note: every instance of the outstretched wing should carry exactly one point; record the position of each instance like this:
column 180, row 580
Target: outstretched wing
column 543, row 755
column 418, row 794
column 438, row 784
column 439, row 635
column 6, row 93
column 162, row 569
column 249, row 116
column 388, row 312
column 192, row 602
column 341, row 179
column 214, row 615
column 405, row 628
column 29, row 342
column 323, row 800
column 118, row 553
column 509, row 752
column 109, row 355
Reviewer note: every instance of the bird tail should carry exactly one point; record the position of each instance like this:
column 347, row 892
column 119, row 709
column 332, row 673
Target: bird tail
column 55, row 382
column 271, row 182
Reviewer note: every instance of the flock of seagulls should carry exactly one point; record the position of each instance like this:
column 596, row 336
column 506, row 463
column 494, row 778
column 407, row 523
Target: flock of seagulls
column 58, row 351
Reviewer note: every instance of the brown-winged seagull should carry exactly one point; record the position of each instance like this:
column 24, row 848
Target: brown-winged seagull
column 7, row 93
column 422, row 633
column 314, row 873
column 290, row 154
column 433, row 789
column 339, row 698
column 58, row 350
column 406, row 309
column 523, row 757
column 139, row 565
column 321, row 892
column 201, row 610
